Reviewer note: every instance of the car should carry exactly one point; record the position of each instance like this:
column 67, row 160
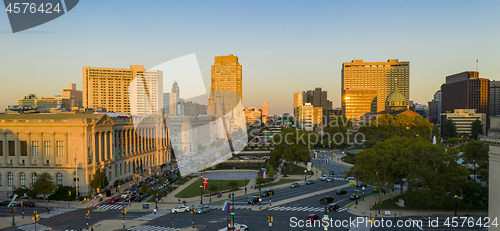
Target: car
column 113, row 200
column 312, row 217
column 26, row 204
column 329, row 179
column 352, row 197
column 329, row 199
column 375, row 190
column 253, row 200
column 180, row 209
column 333, row 172
column 267, row 193
column 333, row 207
column 130, row 199
column 237, row 227
column 204, row 209
column 323, row 177
column 310, row 182
column 360, row 184
column 139, row 198
column 294, row 185
column 125, row 194
column 341, row 191
column 4, row 203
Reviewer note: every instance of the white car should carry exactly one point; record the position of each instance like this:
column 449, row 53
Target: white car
column 323, row 177
column 124, row 196
column 180, row 209
column 237, row 227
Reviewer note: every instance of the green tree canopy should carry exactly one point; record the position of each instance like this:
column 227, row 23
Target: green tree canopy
column 233, row 184
column 292, row 145
column 44, row 185
column 476, row 153
column 449, row 129
column 477, row 129
column 99, row 180
column 337, row 133
column 473, row 194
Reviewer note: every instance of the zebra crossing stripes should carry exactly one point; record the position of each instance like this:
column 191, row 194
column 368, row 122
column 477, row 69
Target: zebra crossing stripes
column 151, row 216
column 56, row 212
column 108, row 206
column 299, row 209
column 237, row 206
column 31, row 227
column 152, row 228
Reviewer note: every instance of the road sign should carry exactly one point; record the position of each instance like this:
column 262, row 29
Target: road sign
column 351, row 181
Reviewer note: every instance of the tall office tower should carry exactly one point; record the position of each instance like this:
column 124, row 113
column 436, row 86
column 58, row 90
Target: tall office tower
column 381, row 77
column 494, row 98
column 265, row 110
column 75, row 96
column 308, row 116
column 109, row 88
column 466, row 90
column 226, row 85
column 170, row 103
column 298, row 100
column 318, row 98
column 439, row 100
column 176, row 90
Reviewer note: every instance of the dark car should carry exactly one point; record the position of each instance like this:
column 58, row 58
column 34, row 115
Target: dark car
column 375, row 190
column 352, row 197
column 139, row 198
column 310, row 182
column 267, row 193
column 360, row 184
column 333, row 172
column 329, row 199
column 294, row 185
column 4, row 203
column 341, row 191
column 312, row 217
column 333, row 207
column 26, row 204
column 253, row 200
column 131, row 198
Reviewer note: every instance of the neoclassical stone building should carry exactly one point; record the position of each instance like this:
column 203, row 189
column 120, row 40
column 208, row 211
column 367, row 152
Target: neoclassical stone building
column 59, row 144
column 493, row 140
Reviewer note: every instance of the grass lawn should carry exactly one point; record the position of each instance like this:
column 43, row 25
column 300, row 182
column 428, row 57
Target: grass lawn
column 296, row 170
column 348, row 159
column 194, row 189
column 449, row 204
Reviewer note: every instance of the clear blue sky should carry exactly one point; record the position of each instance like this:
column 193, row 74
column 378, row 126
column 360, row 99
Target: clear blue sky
column 283, row 46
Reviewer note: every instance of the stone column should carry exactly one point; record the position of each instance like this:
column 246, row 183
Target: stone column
column 494, row 184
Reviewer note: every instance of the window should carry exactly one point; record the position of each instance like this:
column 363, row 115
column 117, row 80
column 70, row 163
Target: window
column 10, row 179
column 22, row 179
column 33, row 178
column 35, row 150
column 1, row 148
column 59, row 179
column 12, row 148
column 60, row 148
column 24, row 148
column 46, row 146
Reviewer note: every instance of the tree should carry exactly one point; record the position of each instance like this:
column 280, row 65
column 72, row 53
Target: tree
column 436, row 133
column 473, row 194
column 160, row 181
column 477, row 129
column 44, row 185
column 144, row 188
column 293, row 146
column 269, row 171
column 233, row 184
column 449, row 129
column 99, row 180
column 476, row 153
column 213, row 188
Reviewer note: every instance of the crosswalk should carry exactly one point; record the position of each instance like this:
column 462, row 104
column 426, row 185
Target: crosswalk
column 152, row 228
column 56, row 212
column 363, row 226
column 236, row 206
column 152, row 216
column 108, row 206
column 31, row 227
column 297, row 209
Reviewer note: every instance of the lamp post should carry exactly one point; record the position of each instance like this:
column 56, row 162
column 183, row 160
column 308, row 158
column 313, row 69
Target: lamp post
column 395, row 222
column 14, row 208
column 305, row 175
column 245, row 186
column 363, row 193
column 231, row 195
column 210, row 192
column 201, row 189
column 456, row 205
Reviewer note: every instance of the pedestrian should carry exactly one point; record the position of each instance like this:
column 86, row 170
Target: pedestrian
column 179, row 200
column 154, row 211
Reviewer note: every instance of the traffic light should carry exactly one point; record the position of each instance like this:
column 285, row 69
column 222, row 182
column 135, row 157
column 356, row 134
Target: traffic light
column 232, row 223
column 259, row 195
column 21, row 203
column 268, row 218
column 69, row 193
column 14, row 209
column 271, row 218
column 125, row 211
column 37, row 216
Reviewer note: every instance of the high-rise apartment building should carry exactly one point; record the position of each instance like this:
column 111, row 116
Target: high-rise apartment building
column 494, row 98
column 265, row 109
column 226, row 84
column 308, row 116
column 298, row 100
column 380, row 77
column 109, row 88
column 465, row 90
column 318, row 98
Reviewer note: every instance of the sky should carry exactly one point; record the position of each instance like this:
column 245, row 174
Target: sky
column 283, row 46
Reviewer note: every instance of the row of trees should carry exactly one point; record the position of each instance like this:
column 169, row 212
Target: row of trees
column 450, row 130
column 292, row 145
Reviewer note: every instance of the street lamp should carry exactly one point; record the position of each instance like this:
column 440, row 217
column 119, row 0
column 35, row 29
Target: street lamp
column 201, row 189
column 395, row 222
column 456, row 205
column 363, row 193
column 305, row 175
column 14, row 208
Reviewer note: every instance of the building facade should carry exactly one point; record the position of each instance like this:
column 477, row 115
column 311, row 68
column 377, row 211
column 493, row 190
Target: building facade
column 382, row 77
column 439, row 100
column 493, row 140
column 252, row 115
column 494, row 98
column 463, row 119
column 226, row 83
column 359, row 102
column 59, row 144
column 133, row 91
column 308, row 117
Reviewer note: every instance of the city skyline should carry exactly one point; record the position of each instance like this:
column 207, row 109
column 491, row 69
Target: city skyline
column 308, row 49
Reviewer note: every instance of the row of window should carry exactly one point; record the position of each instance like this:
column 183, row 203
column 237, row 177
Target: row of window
column 22, row 179
column 35, row 148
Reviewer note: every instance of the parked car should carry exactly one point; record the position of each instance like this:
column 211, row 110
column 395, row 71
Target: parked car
column 323, row 177
column 130, row 199
column 329, row 200
column 139, row 198
column 4, row 203
column 26, row 204
column 376, row 190
column 180, row 209
column 267, row 193
column 113, row 200
column 360, row 184
column 253, row 200
column 333, row 172
column 312, row 217
column 352, row 197
column 294, row 185
column 329, row 179
column 333, row 207
column 341, row 191
column 204, row 209
column 310, row 182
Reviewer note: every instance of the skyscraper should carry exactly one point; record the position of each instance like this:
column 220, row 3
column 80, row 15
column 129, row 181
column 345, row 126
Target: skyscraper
column 265, row 110
column 494, row 98
column 298, row 100
column 465, row 90
column 363, row 82
column 226, row 82
column 109, row 88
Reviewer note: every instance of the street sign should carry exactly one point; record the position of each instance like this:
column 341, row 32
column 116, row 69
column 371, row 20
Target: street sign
column 270, row 224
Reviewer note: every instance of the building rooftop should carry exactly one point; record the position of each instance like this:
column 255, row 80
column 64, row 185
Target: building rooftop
column 48, row 116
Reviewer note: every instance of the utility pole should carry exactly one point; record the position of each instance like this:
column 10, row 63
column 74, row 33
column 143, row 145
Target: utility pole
column 201, row 189
column 124, row 211
column 232, row 205
column 14, row 207
column 193, row 212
